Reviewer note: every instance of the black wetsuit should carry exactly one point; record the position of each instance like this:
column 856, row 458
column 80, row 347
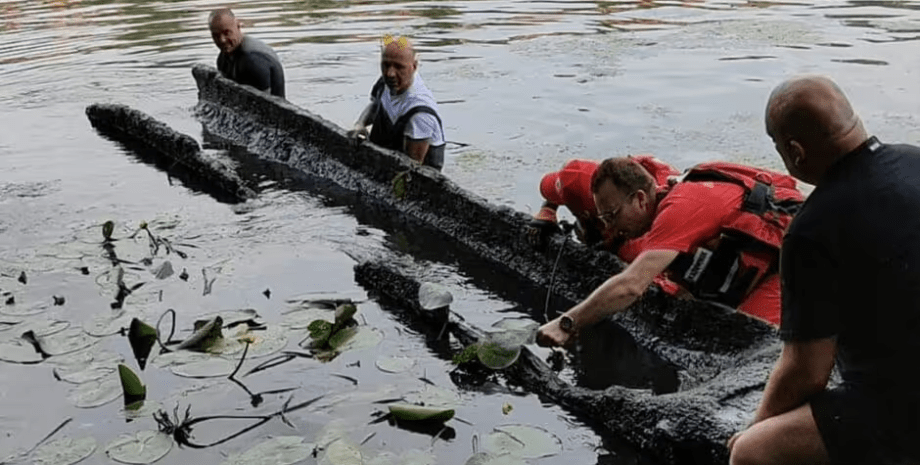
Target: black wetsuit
column 392, row 135
column 850, row 270
column 255, row 64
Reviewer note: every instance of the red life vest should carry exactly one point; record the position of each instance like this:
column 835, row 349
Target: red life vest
column 748, row 247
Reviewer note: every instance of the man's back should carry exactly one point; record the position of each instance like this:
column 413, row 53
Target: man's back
column 254, row 64
column 854, row 251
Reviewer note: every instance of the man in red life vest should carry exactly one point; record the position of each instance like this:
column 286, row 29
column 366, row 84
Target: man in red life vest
column 716, row 233
column 571, row 187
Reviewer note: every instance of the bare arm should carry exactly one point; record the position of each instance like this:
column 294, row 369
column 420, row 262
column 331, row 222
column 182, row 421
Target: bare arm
column 365, row 119
column 802, row 370
column 615, row 295
column 417, row 149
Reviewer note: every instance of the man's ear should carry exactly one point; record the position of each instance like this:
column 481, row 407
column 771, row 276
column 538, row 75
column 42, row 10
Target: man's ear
column 642, row 197
column 797, row 153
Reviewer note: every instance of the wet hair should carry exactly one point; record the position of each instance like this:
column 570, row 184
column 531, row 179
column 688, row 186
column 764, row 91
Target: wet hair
column 626, row 175
column 218, row 13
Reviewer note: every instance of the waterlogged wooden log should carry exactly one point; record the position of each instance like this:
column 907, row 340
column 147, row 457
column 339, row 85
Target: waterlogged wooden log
column 127, row 124
column 686, row 427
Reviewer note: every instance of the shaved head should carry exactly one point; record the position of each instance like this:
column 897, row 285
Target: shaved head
column 398, row 63
column 812, row 124
column 220, row 13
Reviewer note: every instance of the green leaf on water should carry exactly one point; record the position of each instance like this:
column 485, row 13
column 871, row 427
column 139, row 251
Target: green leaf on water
column 417, row 413
column 107, row 229
column 343, row 314
column 140, row 448
column 400, row 184
column 205, row 336
column 320, row 331
column 132, row 387
column 64, row 451
column 142, row 338
column 283, row 450
column 342, row 337
column 342, row 453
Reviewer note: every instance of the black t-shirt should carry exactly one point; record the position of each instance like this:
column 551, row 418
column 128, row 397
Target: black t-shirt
column 850, row 266
column 254, row 64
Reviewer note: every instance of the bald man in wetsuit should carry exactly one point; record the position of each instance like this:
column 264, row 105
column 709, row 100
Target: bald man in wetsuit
column 244, row 59
column 850, row 273
column 403, row 113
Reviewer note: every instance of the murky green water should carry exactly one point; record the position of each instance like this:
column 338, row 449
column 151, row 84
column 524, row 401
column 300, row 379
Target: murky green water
column 526, row 84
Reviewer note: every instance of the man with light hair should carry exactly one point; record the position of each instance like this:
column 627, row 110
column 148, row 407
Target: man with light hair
column 403, row 113
column 244, row 59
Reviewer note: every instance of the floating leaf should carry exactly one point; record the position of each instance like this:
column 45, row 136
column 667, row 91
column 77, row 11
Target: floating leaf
column 67, row 341
column 14, row 309
column 140, row 448
column 395, row 364
column 433, row 396
column 164, row 271
column 90, row 373
column 204, row 337
column 142, row 337
column 525, row 327
column 19, row 351
column 45, row 328
column 302, row 318
column 261, row 342
column 64, row 451
column 107, row 229
column 342, row 453
column 132, row 387
column 211, row 367
column 101, row 326
column 342, row 337
column 410, row 457
column 95, row 393
column 343, row 314
column 523, row 441
column 400, row 183
column 433, row 296
column 320, row 331
column 283, row 450
column 8, row 322
column 418, row 413
column 506, row 408
column 138, row 410
column 364, row 338
column 483, row 458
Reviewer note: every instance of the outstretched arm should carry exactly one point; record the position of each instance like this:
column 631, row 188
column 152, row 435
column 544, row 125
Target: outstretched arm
column 365, row 119
column 615, row 295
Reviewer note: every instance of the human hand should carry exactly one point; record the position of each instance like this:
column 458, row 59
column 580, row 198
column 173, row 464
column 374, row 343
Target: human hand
column 357, row 133
column 538, row 232
column 552, row 335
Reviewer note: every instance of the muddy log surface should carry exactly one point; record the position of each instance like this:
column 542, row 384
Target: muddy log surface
column 701, row 338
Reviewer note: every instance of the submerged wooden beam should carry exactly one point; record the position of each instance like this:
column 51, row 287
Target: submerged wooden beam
column 134, row 127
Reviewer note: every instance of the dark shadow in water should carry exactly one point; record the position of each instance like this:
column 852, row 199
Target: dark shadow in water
column 149, row 156
column 608, row 355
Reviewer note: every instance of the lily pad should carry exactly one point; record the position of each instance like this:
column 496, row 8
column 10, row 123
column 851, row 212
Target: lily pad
column 234, row 317
column 433, row 396
column 45, row 328
column 139, row 448
column 364, row 338
column 344, row 313
column 205, row 336
column 19, row 351
column 144, row 409
column 67, row 341
column 484, row 458
column 91, row 372
column 25, row 310
column 101, row 326
column 523, row 441
column 95, row 393
column 395, row 364
column 9, row 322
column 342, row 453
column 78, row 361
column 132, row 387
column 417, row 413
column 433, row 296
column 261, row 343
column 64, row 451
column 301, row 318
column 283, row 450
column 211, row 367
column 410, row 457
column 142, row 337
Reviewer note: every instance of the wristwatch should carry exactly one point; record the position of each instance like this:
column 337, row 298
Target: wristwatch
column 567, row 324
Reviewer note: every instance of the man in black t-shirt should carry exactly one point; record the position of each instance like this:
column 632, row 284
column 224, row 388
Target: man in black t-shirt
column 850, row 270
column 244, row 59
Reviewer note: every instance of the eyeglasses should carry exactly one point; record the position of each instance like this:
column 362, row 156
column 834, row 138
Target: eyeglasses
column 609, row 217
column 402, row 42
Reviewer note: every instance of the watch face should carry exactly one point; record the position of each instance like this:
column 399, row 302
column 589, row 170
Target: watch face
column 566, row 323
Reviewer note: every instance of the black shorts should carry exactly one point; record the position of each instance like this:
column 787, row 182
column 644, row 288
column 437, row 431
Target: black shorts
column 868, row 427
